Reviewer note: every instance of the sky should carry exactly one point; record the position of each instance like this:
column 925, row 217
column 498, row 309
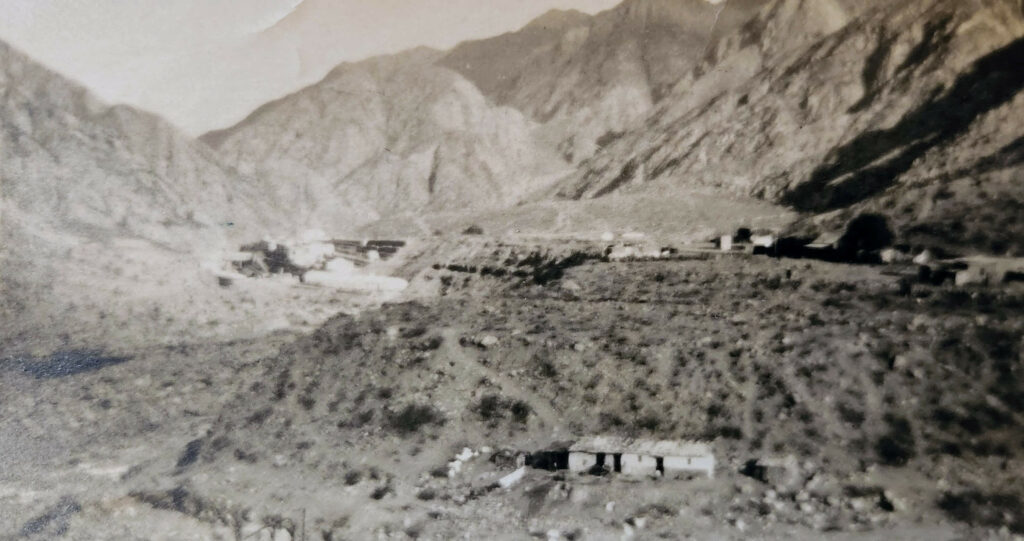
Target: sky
column 205, row 64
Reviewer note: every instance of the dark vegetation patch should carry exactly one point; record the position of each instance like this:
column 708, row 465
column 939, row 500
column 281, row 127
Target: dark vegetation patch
column 414, row 417
column 493, row 408
column 896, row 447
column 990, row 510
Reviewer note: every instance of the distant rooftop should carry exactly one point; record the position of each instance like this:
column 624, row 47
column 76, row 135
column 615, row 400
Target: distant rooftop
column 615, row 444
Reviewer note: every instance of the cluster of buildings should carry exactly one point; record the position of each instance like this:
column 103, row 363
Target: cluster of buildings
column 317, row 260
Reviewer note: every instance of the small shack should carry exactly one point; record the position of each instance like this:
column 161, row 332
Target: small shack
column 638, row 457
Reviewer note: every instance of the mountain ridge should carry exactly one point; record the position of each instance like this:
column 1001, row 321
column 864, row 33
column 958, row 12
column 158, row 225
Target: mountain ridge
column 774, row 131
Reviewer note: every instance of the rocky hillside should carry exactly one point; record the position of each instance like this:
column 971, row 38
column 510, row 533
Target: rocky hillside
column 522, row 346
column 907, row 109
column 387, row 135
column 102, row 203
column 78, row 165
column 591, row 77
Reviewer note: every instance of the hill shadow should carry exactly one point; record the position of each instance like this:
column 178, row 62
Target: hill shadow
column 992, row 81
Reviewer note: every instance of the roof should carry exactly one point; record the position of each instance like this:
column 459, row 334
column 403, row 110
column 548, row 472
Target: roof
column 614, row 444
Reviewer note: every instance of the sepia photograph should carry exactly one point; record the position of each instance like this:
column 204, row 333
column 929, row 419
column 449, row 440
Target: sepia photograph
column 555, row 270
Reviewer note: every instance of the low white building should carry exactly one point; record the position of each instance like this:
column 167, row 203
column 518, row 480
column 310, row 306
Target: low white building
column 637, row 457
column 764, row 241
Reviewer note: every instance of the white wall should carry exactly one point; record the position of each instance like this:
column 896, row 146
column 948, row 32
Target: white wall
column 675, row 465
column 581, row 462
column 639, row 464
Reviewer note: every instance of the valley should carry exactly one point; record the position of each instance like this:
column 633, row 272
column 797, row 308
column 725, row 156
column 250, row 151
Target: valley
column 786, row 233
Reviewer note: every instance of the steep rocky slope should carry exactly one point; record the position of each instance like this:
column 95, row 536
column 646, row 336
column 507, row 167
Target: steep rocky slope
column 589, row 78
column 79, row 165
column 905, row 109
column 387, row 135
column 102, row 203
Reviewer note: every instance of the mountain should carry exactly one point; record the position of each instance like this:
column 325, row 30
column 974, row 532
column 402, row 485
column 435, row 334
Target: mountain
column 833, row 108
column 590, row 77
column 80, row 166
column 101, row 206
column 389, row 135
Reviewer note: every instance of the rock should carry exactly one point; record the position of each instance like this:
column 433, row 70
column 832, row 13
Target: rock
column 924, row 258
column 489, row 341
column 571, row 285
column 554, row 535
column 890, row 255
column 860, row 505
column 282, row 534
column 579, row 347
column 609, row 507
column 512, row 478
column 971, row 276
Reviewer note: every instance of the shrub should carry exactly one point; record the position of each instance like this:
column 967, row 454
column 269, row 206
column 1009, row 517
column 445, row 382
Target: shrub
column 473, row 230
column 896, row 447
column 987, row 510
column 413, row 417
column 493, row 408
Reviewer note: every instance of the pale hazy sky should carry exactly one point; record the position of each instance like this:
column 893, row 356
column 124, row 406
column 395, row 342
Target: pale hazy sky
column 204, row 64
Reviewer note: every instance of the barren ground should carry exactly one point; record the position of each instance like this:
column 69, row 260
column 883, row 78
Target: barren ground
column 900, row 403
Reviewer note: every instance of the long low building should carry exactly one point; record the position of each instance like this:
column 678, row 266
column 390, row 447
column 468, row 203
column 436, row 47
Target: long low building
column 639, row 457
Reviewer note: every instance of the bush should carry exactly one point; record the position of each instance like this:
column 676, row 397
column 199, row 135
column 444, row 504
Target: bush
column 473, row 230
column 896, row 448
column 414, row 417
column 986, row 510
column 493, row 408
